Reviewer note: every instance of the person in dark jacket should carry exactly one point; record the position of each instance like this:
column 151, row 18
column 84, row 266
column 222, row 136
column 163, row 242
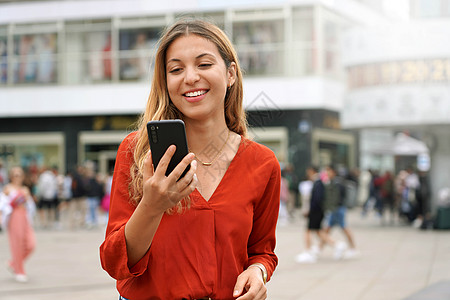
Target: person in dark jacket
column 94, row 194
column 315, row 217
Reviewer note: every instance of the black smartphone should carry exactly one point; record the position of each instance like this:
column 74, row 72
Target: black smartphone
column 162, row 134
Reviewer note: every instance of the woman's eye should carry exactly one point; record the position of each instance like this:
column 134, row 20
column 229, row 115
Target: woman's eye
column 175, row 70
column 205, row 65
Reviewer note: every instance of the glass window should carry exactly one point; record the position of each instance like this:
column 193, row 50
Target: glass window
column 137, row 49
column 3, row 60
column 331, row 58
column 260, row 46
column 35, row 58
column 89, row 57
column 89, row 52
column 304, row 56
column 303, row 26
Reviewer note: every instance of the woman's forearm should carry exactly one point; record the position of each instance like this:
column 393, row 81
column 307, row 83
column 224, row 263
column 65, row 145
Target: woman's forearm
column 139, row 232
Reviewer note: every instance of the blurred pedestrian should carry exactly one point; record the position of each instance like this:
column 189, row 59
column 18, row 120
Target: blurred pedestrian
column 336, row 210
column 65, row 195
column 18, row 208
column 283, row 215
column 106, row 200
column 291, row 204
column 77, row 205
column 387, row 196
column 423, row 200
column 3, row 175
column 315, row 217
column 373, row 202
column 365, row 177
column 94, row 194
column 305, row 189
column 47, row 191
column 408, row 184
column 211, row 233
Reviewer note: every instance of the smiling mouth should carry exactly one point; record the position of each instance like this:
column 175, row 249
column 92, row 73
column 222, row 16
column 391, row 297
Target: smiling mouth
column 195, row 94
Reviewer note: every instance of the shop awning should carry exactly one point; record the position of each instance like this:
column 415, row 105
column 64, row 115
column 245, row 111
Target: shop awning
column 402, row 145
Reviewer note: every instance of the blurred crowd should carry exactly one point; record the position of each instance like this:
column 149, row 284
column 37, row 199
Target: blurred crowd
column 78, row 199
column 402, row 198
column 324, row 196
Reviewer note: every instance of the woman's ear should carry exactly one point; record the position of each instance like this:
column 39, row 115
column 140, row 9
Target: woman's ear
column 231, row 74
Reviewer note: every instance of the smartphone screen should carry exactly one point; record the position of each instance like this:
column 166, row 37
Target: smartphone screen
column 162, row 134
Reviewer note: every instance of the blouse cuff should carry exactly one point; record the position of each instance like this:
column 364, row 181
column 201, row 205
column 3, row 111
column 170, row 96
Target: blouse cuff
column 263, row 270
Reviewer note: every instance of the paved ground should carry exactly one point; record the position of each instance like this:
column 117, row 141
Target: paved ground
column 397, row 262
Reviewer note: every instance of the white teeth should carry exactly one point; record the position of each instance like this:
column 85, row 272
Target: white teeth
column 195, row 94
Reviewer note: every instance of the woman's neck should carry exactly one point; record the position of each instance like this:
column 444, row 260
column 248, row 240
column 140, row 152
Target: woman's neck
column 16, row 186
column 202, row 135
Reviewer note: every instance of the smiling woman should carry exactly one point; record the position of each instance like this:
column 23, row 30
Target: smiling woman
column 197, row 74
column 211, row 232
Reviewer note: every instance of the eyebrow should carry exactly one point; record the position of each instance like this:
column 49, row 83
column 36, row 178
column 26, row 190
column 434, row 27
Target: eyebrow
column 197, row 57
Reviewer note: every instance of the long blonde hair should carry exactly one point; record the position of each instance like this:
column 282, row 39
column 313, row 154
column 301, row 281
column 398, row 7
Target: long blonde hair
column 160, row 107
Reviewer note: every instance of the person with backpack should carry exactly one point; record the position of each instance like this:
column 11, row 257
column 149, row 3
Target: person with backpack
column 336, row 210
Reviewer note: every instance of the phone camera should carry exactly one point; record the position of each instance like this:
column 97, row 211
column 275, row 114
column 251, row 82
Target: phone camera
column 152, row 127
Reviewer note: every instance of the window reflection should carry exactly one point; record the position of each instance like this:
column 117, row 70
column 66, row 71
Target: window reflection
column 260, row 46
column 137, row 48
column 35, row 58
column 89, row 57
column 305, row 56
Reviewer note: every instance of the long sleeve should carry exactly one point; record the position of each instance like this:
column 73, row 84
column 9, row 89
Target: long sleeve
column 261, row 243
column 113, row 251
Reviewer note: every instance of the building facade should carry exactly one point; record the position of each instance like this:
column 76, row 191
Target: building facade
column 76, row 74
column 398, row 81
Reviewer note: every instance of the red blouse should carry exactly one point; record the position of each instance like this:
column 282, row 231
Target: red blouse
column 201, row 252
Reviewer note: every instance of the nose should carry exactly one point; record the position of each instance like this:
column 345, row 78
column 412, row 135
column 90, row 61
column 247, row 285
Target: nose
column 191, row 75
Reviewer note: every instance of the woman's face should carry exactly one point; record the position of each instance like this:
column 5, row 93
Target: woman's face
column 16, row 175
column 197, row 77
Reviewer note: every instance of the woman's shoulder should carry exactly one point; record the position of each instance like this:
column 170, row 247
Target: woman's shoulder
column 256, row 154
column 126, row 147
column 259, row 150
column 129, row 141
column 130, row 138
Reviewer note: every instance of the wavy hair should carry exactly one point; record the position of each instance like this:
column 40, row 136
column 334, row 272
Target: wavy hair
column 160, row 107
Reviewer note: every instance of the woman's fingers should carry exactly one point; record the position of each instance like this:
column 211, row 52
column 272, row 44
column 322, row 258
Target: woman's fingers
column 189, row 181
column 165, row 160
column 179, row 169
column 148, row 166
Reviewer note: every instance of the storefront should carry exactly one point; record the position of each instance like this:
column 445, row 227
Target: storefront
column 33, row 142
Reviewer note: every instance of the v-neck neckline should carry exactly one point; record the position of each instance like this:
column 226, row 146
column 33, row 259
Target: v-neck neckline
column 231, row 165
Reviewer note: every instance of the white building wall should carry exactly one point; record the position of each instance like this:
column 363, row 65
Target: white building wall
column 418, row 49
column 105, row 99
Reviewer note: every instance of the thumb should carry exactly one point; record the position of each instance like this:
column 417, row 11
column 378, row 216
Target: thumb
column 148, row 166
column 239, row 287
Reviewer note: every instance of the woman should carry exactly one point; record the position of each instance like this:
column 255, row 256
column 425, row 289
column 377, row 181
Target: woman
column 210, row 235
column 18, row 205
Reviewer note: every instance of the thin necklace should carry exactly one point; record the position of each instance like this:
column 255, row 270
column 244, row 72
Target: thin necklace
column 207, row 164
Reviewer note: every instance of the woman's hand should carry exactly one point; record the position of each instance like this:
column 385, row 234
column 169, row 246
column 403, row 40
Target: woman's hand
column 161, row 192
column 250, row 285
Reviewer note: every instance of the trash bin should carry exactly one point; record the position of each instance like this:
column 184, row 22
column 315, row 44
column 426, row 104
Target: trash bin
column 442, row 218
